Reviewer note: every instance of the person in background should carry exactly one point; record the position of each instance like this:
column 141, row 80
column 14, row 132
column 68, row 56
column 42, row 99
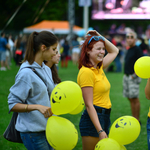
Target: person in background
column 3, row 45
column 8, row 54
column 95, row 120
column 52, row 65
column 18, row 51
column 118, row 58
column 30, row 94
column 75, row 50
column 11, row 43
column 23, row 44
column 144, row 47
column 64, row 54
column 147, row 94
column 131, row 81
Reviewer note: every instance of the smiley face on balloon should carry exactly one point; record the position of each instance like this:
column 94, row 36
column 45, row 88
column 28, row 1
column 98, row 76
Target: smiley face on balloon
column 107, row 144
column 58, row 96
column 125, row 130
column 122, row 123
column 65, row 97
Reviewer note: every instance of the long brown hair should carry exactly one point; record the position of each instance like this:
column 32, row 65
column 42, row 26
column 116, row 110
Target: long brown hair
column 35, row 40
column 84, row 56
column 55, row 76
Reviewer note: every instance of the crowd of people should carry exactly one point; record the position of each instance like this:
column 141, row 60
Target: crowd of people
column 94, row 54
column 11, row 48
column 14, row 47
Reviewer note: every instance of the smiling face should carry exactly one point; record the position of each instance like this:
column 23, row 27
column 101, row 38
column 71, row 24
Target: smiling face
column 122, row 123
column 65, row 97
column 97, row 53
column 50, row 52
column 58, row 96
column 55, row 59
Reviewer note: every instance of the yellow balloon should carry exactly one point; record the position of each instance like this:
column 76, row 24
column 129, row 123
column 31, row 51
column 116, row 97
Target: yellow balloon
column 61, row 134
column 78, row 109
column 122, row 147
column 142, row 67
column 125, row 130
column 107, row 144
column 65, row 97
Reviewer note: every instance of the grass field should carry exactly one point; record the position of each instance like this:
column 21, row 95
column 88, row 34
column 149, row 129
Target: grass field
column 120, row 106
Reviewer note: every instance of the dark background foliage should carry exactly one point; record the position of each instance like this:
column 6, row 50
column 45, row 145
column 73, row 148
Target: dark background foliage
column 54, row 10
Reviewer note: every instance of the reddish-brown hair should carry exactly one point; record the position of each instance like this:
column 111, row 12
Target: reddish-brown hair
column 84, row 56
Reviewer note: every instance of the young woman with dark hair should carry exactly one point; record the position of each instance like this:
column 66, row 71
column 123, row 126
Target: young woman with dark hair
column 30, row 95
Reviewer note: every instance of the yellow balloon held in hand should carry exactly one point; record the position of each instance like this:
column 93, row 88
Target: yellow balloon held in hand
column 125, row 130
column 107, row 144
column 78, row 109
column 65, row 97
column 142, row 67
column 122, row 147
column 61, row 133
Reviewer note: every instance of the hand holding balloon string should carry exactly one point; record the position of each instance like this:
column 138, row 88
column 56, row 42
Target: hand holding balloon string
column 102, row 135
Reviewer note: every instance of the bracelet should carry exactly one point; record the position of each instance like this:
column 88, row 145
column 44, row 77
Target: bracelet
column 26, row 107
column 100, row 131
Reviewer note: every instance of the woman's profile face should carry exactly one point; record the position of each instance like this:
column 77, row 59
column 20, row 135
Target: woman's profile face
column 50, row 52
column 56, row 58
column 97, row 53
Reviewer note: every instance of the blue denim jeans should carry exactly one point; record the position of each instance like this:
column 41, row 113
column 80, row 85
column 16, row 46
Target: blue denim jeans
column 88, row 129
column 35, row 141
column 148, row 133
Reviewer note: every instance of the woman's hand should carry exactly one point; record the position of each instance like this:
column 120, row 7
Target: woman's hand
column 92, row 33
column 102, row 135
column 46, row 111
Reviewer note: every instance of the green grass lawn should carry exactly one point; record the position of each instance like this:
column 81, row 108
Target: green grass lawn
column 120, row 106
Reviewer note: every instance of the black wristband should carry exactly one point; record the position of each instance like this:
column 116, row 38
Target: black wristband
column 100, row 131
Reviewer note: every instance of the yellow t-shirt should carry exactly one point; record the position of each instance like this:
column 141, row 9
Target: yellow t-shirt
column 101, row 87
column 149, row 112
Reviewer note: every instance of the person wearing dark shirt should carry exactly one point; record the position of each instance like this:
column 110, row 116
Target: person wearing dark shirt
column 131, row 81
column 144, row 47
column 64, row 55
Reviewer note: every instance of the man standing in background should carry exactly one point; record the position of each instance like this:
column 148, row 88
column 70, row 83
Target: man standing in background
column 131, row 81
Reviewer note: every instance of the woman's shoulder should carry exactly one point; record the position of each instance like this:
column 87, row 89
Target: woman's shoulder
column 85, row 70
column 25, row 73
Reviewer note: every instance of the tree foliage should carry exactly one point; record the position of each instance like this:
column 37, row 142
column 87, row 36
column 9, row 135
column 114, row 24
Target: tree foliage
column 54, row 10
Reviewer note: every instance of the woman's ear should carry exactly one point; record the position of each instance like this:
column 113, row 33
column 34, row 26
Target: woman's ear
column 43, row 48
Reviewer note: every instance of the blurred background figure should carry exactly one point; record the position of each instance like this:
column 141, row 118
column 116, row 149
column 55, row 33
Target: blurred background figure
column 75, row 50
column 147, row 32
column 8, row 55
column 23, row 45
column 118, row 58
column 144, row 47
column 18, row 51
column 11, row 44
column 3, row 46
column 131, row 82
column 64, row 54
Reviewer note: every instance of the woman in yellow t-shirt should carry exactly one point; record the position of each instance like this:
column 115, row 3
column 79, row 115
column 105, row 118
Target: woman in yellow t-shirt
column 95, row 120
